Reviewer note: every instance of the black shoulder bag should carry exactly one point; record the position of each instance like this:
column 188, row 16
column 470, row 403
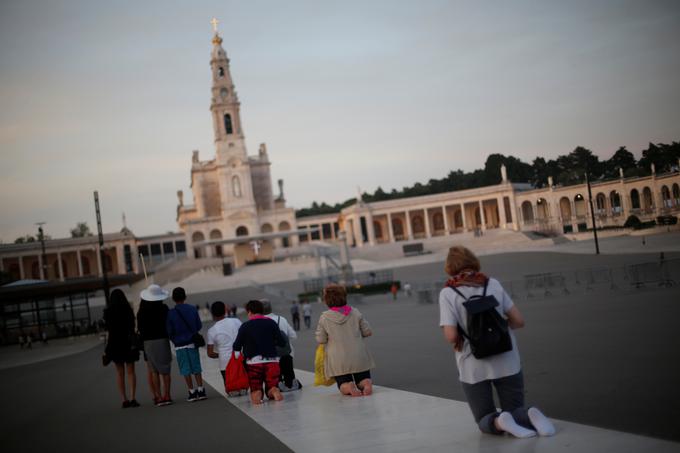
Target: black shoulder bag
column 197, row 339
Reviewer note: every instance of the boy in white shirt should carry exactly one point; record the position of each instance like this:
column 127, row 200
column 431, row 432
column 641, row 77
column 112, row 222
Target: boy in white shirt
column 288, row 381
column 221, row 335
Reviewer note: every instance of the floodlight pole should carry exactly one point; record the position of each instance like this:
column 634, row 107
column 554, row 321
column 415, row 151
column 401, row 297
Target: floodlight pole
column 592, row 213
column 101, row 247
column 41, row 237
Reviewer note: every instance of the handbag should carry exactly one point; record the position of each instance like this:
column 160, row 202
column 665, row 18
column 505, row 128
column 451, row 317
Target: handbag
column 197, row 339
column 285, row 349
column 319, row 371
column 235, row 376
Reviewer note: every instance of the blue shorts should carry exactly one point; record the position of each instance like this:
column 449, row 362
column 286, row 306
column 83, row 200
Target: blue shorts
column 189, row 361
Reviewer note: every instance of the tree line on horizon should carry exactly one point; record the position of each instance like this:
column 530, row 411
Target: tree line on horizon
column 566, row 170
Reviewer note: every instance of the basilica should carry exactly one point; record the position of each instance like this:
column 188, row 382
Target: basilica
column 233, row 206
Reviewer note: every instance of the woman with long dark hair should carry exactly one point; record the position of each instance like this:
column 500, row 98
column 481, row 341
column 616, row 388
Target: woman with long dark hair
column 120, row 347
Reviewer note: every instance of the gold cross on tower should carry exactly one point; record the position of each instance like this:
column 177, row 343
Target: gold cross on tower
column 214, row 23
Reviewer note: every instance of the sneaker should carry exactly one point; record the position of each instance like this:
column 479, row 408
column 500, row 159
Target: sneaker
column 200, row 394
column 126, row 404
column 193, row 396
column 164, row 402
column 134, row 403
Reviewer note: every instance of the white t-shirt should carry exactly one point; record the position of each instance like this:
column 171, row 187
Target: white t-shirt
column 452, row 312
column 222, row 336
column 285, row 328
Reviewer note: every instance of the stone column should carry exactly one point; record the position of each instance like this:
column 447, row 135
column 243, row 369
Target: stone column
column 370, row 228
column 349, row 231
column 446, row 221
column 21, row 268
column 174, row 250
column 427, row 223
column 502, row 217
column 482, row 215
column 358, row 237
column 120, row 258
column 462, row 215
column 409, row 235
column 389, row 228
column 80, row 263
column 60, row 266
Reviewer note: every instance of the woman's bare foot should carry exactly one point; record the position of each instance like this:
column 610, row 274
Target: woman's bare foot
column 348, row 388
column 366, row 387
column 256, row 397
column 275, row 394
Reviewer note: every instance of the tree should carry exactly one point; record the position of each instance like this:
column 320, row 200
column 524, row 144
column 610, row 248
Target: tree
column 81, row 230
column 25, row 239
column 623, row 159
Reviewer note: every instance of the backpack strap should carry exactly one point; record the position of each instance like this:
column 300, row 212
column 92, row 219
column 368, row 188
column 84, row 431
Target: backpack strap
column 460, row 328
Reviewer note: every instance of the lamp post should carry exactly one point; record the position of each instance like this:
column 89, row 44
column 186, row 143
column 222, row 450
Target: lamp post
column 41, row 238
column 592, row 213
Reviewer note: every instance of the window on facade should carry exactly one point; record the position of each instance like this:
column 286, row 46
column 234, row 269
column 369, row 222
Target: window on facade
column 228, row 127
column 236, row 186
column 223, row 93
column 220, row 71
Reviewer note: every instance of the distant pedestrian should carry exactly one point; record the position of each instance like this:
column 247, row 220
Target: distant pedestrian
column 29, row 341
column 287, row 382
column 43, row 336
column 233, row 310
column 407, row 289
column 221, row 336
column 295, row 314
column 497, row 367
column 307, row 314
column 342, row 330
column 151, row 322
column 121, row 347
column 394, row 289
column 21, row 341
column 183, row 324
column 257, row 339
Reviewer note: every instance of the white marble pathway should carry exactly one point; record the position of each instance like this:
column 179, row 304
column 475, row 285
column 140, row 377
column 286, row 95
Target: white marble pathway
column 319, row 419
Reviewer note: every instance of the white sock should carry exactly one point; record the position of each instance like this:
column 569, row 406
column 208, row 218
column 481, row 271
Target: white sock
column 200, row 389
column 541, row 422
column 508, row 424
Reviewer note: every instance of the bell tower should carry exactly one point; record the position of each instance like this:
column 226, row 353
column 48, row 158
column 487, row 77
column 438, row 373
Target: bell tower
column 224, row 105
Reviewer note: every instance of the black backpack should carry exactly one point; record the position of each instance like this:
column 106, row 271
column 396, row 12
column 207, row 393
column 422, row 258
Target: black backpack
column 488, row 331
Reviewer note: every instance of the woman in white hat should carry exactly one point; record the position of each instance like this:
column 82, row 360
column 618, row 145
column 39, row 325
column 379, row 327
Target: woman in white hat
column 151, row 319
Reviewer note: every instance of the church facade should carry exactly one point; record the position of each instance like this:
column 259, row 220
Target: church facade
column 232, row 192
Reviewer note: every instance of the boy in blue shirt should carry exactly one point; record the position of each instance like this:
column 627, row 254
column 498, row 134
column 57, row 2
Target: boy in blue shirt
column 182, row 324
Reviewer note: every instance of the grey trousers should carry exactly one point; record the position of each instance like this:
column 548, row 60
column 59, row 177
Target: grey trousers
column 510, row 390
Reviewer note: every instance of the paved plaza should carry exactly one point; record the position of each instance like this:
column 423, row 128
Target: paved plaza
column 598, row 360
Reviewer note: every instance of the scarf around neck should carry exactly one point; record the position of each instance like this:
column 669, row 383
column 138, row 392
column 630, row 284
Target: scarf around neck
column 467, row 278
column 344, row 310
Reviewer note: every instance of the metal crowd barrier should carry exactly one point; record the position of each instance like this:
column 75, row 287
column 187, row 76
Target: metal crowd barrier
column 548, row 282
column 643, row 274
column 595, row 276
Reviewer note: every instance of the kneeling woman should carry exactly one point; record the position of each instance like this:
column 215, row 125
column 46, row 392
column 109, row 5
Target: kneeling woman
column 502, row 371
column 343, row 329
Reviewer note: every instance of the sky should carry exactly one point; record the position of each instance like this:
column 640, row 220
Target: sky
column 114, row 96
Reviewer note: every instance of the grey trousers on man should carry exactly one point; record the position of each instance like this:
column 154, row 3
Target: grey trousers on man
column 510, row 390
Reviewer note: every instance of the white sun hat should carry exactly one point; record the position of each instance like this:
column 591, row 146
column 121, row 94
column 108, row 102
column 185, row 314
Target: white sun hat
column 153, row 293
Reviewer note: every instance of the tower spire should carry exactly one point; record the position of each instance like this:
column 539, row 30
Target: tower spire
column 216, row 39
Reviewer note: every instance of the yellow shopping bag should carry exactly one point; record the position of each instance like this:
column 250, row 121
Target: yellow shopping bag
column 319, row 373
